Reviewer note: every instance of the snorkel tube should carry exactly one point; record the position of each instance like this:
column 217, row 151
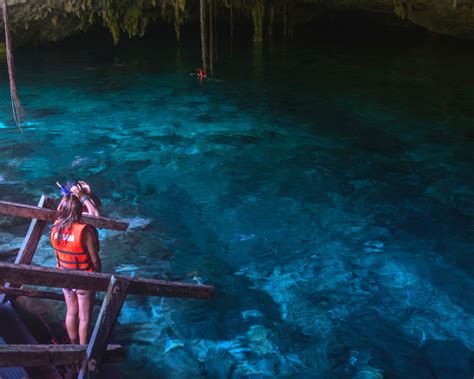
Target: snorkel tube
column 64, row 190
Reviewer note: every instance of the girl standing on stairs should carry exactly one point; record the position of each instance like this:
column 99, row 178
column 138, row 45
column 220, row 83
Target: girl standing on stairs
column 76, row 247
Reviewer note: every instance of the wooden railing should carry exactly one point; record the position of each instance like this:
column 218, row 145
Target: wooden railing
column 115, row 287
column 41, row 212
column 52, row 277
column 39, row 355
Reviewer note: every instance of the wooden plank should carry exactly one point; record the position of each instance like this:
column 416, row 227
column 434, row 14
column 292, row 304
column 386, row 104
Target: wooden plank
column 9, row 253
column 44, row 355
column 31, row 241
column 52, row 277
column 14, row 331
column 13, row 292
column 29, row 292
column 29, row 211
column 110, row 310
column 33, row 236
column 12, row 372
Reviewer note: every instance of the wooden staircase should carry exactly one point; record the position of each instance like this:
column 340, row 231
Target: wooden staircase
column 116, row 288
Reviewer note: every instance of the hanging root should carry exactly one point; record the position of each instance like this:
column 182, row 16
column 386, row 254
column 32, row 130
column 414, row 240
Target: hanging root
column 212, row 55
column 258, row 12
column 17, row 109
column 271, row 21
column 203, row 17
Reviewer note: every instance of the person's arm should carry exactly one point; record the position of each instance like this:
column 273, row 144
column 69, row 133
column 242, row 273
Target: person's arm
column 92, row 210
column 90, row 242
column 86, row 200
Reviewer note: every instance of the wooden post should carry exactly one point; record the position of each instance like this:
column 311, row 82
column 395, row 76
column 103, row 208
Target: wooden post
column 30, row 242
column 109, row 312
column 33, row 236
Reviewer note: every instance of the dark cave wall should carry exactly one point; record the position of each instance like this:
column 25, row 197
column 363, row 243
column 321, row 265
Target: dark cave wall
column 35, row 21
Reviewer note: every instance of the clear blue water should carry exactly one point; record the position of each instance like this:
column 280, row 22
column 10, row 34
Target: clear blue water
column 326, row 191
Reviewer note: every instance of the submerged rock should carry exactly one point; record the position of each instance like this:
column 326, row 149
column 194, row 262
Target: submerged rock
column 369, row 373
column 251, row 314
column 450, row 359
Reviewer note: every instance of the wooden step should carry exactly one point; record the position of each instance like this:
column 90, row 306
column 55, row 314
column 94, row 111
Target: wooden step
column 44, row 355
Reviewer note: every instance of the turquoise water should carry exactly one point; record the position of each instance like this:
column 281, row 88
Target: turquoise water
column 326, row 191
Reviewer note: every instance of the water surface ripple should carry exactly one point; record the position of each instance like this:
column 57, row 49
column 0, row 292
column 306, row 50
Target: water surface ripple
column 327, row 193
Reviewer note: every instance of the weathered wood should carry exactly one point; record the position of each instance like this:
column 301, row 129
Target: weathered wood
column 51, row 277
column 31, row 241
column 13, row 292
column 29, row 211
column 33, row 236
column 29, row 292
column 43, row 355
column 113, row 301
column 9, row 253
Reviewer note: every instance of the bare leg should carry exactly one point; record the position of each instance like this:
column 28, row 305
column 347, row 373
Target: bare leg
column 71, row 314
column 86, row 302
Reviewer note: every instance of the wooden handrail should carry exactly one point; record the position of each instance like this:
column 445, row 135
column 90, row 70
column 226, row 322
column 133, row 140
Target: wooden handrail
column 45, row 355
column 31, row 241
column 29, row 292
column 51, row 277
column 14, row 292
column 29, row 211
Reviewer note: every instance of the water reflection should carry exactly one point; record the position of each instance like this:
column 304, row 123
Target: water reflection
column 327, row 193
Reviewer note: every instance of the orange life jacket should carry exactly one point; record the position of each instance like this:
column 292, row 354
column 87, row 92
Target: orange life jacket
column 70, row 253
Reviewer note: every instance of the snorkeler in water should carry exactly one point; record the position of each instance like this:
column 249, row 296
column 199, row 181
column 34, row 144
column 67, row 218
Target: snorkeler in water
column 200, row 73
